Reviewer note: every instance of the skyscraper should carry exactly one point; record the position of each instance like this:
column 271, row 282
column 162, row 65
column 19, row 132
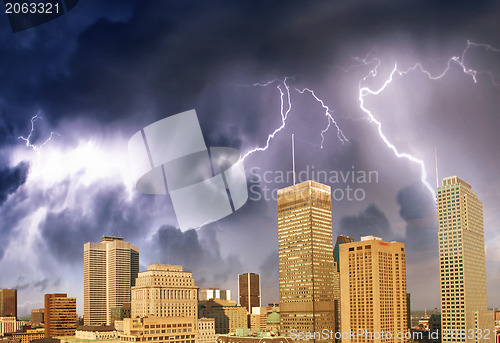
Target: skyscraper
column 249, row 290
column 59, row 315
column 110, row 269
column 462, row 264
column 373, row 290
column 8, row 303
column 165, row 291
column 336, row 276
column 306, row 268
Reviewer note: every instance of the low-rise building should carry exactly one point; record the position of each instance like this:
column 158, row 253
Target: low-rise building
column 92, row 332
column 228, row 316
column 10, row 324
column 159, row 330
column 29, row 335
column 206, row 330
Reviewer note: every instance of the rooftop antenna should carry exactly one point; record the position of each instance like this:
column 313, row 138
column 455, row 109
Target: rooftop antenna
column 293, row 157
column 437, row 175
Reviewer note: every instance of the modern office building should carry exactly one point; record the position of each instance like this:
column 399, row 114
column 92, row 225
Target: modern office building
column 306, row 266
column 462, row 262
column 373, row 290
column 249, row 290
column 214, row 293
column 59, row 315
column 110, row 269
column 164, row 291
column 8, row 303
column 155, row 329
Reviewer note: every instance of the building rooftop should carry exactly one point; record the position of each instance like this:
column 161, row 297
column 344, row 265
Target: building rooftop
column 94, row 328
column 165, row 267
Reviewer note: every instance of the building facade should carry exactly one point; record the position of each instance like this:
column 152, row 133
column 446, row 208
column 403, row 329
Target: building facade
column 373, row 291
column 206, row 330
column 341, row 239
column 8, row 303
column 462, row 264
column 110, row 269
column 37, row 316
column 9, row 325
column 306, row 265
column 59, row 315
column 159, row 330
column 29, row 335
column 228, row 316
column 165, row 291
column 214, row 293
column 249, row 290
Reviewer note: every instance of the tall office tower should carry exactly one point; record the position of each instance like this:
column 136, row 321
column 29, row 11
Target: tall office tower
column 8, row 303
column 110, row 269
column 462, row 263
column 249, row 290
column 165, row 291
column 59, row 315
column 336, row 286
column 306, row 268
column 373, row 290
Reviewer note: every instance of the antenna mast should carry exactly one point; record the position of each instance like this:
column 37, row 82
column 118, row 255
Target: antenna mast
column 437, row 175
column 293, row 157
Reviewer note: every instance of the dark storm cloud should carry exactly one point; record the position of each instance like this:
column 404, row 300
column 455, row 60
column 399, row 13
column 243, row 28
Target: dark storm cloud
column 39, row 285
column 100, row 210
column 199, row 254
column 11, row 179
column 131, row 68
column 371, row 221
column 418, row 209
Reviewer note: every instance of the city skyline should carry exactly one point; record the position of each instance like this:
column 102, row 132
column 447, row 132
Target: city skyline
column 77, row 88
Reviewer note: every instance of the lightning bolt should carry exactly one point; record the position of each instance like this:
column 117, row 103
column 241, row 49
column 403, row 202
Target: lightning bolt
column 284, row 91
column 27, row 139
column 365, row 91
column 328, row 114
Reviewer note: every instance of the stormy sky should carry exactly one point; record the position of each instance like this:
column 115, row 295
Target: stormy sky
column 98, row 74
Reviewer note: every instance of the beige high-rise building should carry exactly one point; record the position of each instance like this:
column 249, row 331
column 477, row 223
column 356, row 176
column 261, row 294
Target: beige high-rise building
column 306, row 268
column 165, row 291
column 464, row 310
column 373, row 291
column 110, row 269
